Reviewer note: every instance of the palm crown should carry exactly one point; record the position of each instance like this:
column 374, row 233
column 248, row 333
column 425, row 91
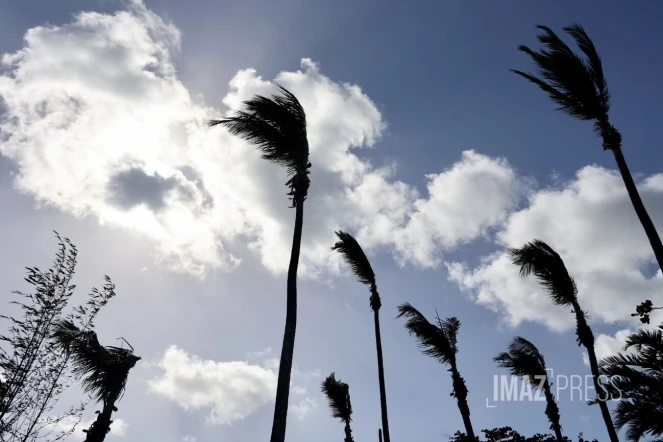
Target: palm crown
column 338, row 395
column 103, row 370
column 577, row 84
column 438, row 341
column 523, row 359
column 356, row 258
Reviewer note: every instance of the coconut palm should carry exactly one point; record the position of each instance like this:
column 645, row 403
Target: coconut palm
column 547, row 266
column 636, row 379
column 103, row 371
column 524, row 360
column 578, row 86
column 440, row 342
column 277, row 126
column 338, row 395
column 361, row 267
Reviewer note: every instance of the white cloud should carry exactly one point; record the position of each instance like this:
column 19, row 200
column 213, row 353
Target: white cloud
column 188, row 438
column 590, row 222
column 259, row 353
column 118, row 427
column 99, row 124
column 231, row 390
column 302, row 408
column 606, row 345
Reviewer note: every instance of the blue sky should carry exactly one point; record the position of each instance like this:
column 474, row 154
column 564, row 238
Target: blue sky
column 435, row 83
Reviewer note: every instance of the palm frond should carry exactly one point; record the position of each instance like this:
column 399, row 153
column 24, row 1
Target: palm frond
column 103, row 370
column 354, row 256
column 576, row 84
column 433, row 341
column 539, row 258
column 522, row 359
column 277, row 126
column 338, row 395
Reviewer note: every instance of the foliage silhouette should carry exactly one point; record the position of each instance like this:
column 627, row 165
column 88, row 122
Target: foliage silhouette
column 644, row 309
column 540, row 259
column 277, row 126
column 354, row 256
column 103, row 371
column 338, row 396
column 508, row 434
column 523, row 359
column 440, row 342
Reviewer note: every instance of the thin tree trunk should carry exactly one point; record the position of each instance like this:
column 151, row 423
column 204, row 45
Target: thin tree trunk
column 287, row 351
column 605, row 412
column 383, row 392
column 100, row 427
column 638, row 205
column 460, row 391
column 379, row 435
column 552, row 412
column 348, row 433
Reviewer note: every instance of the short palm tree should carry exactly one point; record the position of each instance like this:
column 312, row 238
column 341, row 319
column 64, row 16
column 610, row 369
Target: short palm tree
column 636, row 380
column 338, row 395
column 547, row 266
column 277, row 126
column 361, row 267
column 440, row 342
column 580, row 89
column 524, row 360
column 103, row 371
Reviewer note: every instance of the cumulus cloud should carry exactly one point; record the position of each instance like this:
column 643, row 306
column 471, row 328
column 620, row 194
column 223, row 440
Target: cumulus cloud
column 98, row 124
column 230, row 390
column 590, row 222
column 606, row 345
column 118, row 427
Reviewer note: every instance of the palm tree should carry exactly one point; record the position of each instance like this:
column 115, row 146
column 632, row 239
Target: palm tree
column 277, row 126
column 636, row 380
column 440, row 342
column 580, row 89
column 547, row 266
column 338, row 395
column 103, row 370
column 523, row 359
column 361, row 267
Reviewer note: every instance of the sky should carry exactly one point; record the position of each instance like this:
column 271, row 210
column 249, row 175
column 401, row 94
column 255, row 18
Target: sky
column 424, row 146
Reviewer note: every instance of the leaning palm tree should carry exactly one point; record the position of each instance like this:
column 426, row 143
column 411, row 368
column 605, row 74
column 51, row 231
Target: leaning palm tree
column 580, row 89
column 103, row 371
column 338, row 395
column 547, row 266
column 361, row 267
column 440, row 342
column 524, row 360
column 277, row 126
column 636, row 380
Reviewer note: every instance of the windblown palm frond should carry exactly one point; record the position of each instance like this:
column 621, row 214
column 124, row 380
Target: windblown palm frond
column 547, row 266
column 277, row 126
column 355, row 257
column 338, row 395
column 522, row 359
column 576, row 84
column 103, row 370
column 437, row 342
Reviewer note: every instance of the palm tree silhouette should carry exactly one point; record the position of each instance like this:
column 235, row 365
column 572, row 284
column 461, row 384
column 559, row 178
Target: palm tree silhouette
column 636, row 379
column 440, row 342
column 338, row 395
column 580, row 89
column 524, row 360
column 103, row 371
column 277, row 126
column 361, row 267
column 547, row 266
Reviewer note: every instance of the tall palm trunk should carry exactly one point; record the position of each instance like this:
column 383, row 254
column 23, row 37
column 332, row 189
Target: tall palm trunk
column 288, row 348
column 100, row 427
column 460, row 392
column 586, row 338
column 638, row 205
column 552, row 411
column 375, row 305
column 348, row 432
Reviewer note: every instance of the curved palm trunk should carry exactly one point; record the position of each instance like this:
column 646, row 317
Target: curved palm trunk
column 586, row 338
column 348, row 432
column 101, row 427
column 552, row 412
column 383, row 393
column 460, row 391
column 288, row 348
column 638, row 205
